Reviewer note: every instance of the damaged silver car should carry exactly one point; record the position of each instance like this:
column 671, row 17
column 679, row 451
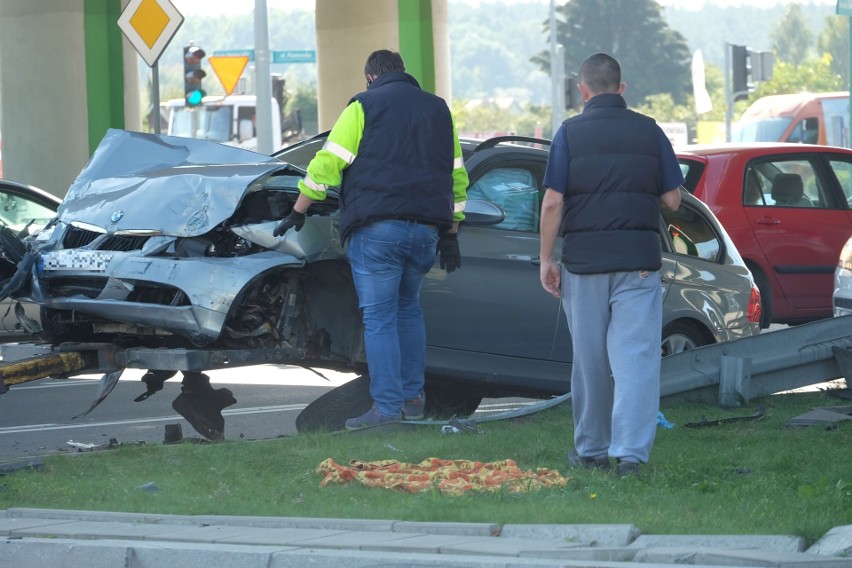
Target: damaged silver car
column 167, row 242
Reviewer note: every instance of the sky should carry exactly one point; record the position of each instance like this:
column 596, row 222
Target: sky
column 229, row 7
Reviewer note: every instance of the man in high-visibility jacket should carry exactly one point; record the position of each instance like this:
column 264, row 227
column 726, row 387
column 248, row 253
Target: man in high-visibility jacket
column 395, row 155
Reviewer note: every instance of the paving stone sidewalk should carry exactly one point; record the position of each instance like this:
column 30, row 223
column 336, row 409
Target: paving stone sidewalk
column 50, row 538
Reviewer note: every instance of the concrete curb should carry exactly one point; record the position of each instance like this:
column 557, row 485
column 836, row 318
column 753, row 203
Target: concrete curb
column 36, row 538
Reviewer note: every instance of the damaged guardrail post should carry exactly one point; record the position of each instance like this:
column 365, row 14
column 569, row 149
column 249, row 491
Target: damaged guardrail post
column 743, row 369
column 734, row 381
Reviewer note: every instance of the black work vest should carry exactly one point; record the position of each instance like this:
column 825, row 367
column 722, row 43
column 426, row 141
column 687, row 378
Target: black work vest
column 404, row 166
column 611, row 212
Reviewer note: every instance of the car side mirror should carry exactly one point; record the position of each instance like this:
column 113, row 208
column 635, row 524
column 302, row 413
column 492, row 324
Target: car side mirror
column 482, row 213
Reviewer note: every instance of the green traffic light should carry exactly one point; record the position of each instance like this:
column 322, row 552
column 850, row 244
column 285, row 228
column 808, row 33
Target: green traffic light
column 194, row 97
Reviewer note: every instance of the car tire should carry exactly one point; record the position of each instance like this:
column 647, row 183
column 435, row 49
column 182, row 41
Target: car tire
column 765, row 288
column 680, row 336
column 446, row 399
column 329, row 412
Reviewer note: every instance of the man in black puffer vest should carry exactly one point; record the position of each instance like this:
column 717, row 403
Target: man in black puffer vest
column 395, row 155
column 609, row 172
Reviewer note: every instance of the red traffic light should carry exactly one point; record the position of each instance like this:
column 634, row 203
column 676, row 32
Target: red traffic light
column 195, row 76
column 193, row 55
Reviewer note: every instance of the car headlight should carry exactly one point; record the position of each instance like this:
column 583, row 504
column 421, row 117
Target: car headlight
column 845, row 261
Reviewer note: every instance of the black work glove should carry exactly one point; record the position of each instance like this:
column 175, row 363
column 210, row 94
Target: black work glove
column 294, row 219
column 448, row 250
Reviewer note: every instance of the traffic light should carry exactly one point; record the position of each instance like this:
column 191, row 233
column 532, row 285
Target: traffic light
column 740, row 72
column 572, row 100
column 192, row 75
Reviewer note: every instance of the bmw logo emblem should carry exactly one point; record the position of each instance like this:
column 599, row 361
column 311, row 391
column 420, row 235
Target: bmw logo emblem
column 116, row 216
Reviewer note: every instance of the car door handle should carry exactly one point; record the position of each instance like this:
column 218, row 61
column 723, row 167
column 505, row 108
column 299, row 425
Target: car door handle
column 768, row 221
column 536, row 261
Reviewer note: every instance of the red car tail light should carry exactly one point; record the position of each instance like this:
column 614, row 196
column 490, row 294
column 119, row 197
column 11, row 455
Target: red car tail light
column 753, row 314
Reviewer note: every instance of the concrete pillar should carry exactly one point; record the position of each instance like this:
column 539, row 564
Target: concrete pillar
column 44, row 111
column 349, row 30
column 62, row 86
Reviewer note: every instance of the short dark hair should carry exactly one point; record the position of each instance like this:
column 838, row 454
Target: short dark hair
column 383, row 61
column 601, row 73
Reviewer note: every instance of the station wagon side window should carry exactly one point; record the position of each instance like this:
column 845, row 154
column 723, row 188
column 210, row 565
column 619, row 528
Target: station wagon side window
column 783, row 183
column 691, row 234
column 516, row 191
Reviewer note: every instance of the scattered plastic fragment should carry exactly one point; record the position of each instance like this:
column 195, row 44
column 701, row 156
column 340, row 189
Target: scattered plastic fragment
column 150, row 486
column 704, row 423
column 661, row 421
column 456, row 426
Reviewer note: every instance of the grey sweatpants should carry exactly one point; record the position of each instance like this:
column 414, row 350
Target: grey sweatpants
column 615, row 321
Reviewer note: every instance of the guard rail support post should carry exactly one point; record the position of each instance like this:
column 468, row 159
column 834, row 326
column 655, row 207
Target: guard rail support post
column 734, row 381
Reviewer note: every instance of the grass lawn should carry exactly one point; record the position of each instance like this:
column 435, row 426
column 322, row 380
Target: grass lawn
column 753, row 477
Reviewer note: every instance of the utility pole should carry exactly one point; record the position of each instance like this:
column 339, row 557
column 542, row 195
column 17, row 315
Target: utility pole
column 263, row 79
column 557, row 76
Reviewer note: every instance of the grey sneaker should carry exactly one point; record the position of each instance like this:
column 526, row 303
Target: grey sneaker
column 369, row 419
column 575, row 461
column 414, row 409
column 625, row 468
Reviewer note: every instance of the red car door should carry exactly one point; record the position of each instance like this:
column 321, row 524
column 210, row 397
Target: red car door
column 799, row 225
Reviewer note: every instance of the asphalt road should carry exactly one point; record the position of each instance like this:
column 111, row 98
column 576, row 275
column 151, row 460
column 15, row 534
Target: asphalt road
column 37, row 418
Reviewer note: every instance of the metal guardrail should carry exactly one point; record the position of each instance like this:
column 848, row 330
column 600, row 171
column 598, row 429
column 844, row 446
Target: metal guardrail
column 729, row 374
column 732, row 373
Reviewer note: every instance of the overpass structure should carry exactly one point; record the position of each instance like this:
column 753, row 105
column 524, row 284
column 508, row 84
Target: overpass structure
column 67, row 73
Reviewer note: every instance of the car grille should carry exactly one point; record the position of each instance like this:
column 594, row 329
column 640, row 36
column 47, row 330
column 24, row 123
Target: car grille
column 73, row 286
column 91, row 287
column 845, row 303
column 76, row 238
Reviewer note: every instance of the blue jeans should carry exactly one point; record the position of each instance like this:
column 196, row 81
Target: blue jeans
column 389, row 262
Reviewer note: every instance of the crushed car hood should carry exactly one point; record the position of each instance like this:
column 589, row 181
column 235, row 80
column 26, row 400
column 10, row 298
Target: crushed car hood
column 162, row 184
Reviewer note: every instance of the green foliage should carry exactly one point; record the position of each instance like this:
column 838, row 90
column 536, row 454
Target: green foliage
column 814, row 75
column 791, row 38
column 833, row 42
column 742, row 478
column 304, row 98
column 654, row 58
column 487, row 118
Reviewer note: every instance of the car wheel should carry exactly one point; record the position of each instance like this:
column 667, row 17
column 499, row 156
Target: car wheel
column 444, row 399
column 765, row 288
column 681, row 336
column 329, row 412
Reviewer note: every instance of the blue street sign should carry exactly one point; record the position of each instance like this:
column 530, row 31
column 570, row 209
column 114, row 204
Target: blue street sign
column 295, row 56
column 291, row 56
column 249, row 52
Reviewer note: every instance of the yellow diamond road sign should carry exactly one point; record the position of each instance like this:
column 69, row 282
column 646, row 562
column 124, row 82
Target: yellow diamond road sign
column 149, row 26
column 228, row 68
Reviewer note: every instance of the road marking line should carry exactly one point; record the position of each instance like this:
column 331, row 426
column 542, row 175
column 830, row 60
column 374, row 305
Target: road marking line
column 234, row 412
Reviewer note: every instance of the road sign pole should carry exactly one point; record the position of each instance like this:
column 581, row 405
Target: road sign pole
column 263, row 79
column 155, row 96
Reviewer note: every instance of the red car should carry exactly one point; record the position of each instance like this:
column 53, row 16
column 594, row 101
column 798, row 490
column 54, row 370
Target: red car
column 787, row 209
